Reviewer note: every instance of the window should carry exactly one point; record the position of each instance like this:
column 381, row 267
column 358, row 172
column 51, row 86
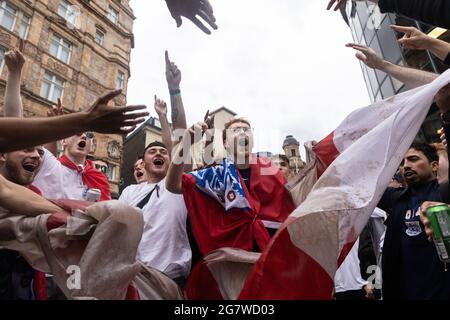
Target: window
column 293, row 152
column 24, row 26
column 68, row 12
column 7, row 15
column 2, row 58
column 60, row 48
column 113, row 15
column 52, row 87
column 111, row 172
column 120, row 80
column 99, row 37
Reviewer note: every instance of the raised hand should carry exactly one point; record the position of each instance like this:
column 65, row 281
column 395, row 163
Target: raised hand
column 56, row 110
column 14, row 59
column 412, row 38
column 367, row 55
column 160, row 107
column 190, row 9
column 102, row 118
column 173, row 74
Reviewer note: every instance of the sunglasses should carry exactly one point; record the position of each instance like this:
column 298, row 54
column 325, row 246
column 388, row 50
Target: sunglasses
column 89, row 135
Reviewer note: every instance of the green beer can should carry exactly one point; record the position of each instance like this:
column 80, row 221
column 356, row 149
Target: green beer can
column 439, row 217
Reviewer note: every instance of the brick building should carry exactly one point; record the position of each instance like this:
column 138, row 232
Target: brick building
column 76, row 51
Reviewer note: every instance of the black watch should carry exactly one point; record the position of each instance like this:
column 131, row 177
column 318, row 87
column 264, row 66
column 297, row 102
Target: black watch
column 445, row 117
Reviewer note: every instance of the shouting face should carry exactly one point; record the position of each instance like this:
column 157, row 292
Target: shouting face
column 239, row 141
column 21, row 166
column 140, row 175
column 156, row 161
column 79, row 145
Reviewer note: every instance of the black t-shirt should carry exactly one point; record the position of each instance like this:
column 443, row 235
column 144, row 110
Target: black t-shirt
column 245, row 174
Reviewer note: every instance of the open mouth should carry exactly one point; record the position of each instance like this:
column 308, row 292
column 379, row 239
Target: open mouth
column 158, row 162
column 82, row 144
column 139, row 174
column 29, row 167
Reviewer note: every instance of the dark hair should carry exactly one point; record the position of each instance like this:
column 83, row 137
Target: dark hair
column 153, row 144
column 282, row 157
column 427, row 149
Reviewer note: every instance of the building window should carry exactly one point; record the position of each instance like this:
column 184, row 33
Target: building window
column 293, row 152
column 7, row 15
column 111, row 172
column 113, row 15
column 99, row 37
column 68, row 12
column 120, row 80
column 24, row 26
column 60, row 48
column 2, row 58
column 52, row 87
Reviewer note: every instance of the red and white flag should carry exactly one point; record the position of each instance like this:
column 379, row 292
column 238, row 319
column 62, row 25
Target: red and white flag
column 358, row 160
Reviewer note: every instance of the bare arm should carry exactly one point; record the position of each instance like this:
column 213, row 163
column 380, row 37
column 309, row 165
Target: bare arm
column 99, row 118
column 173, row 77
column 14, row 60
column 181, row 155
column 412, row 78
column 417, row 40
column 18, row 199
column 161, row 110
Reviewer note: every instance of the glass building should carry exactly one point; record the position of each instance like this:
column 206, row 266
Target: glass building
column 372, row 28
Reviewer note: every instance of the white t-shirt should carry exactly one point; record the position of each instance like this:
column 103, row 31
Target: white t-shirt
column 348, row 276
column 57, row 181
column 164, row 244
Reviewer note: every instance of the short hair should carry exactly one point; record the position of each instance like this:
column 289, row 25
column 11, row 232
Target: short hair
column 229, row 123
column 427, row 149
column 153, row 144
column 282, row 157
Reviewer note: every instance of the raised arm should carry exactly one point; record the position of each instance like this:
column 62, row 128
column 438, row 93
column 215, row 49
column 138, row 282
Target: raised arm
column 55, row 111
column 417, row 40
column 99, row 118
column 173, row 77
column 14, row 61
column 18, row 199
column 181, row 155
column 412, row 78
column 161, row 110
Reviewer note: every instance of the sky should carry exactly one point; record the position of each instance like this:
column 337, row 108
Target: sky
column 282, row 64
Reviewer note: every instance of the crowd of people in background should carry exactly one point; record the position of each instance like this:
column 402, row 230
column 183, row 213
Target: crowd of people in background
column 191, row 209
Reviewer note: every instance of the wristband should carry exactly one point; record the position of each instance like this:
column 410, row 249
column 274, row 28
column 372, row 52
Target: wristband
column 174, row 92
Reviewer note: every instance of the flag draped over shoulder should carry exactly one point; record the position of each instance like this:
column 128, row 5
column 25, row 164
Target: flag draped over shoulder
column 229, row 221
column 355, row 163
column 224, row 213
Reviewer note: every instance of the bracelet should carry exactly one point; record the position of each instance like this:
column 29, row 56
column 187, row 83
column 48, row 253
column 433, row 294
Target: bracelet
column 174, row 92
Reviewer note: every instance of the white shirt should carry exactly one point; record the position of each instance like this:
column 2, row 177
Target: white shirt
column 164, row 244
column 57, row 181
column 348, row 276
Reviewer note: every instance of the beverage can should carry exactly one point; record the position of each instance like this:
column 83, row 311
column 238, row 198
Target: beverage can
column 439, row 217
column 93, row 195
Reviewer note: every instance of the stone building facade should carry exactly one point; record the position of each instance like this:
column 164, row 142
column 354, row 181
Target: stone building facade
column 76, row 51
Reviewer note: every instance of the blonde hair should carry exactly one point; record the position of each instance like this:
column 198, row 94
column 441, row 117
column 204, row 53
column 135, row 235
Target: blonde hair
column 229, row 123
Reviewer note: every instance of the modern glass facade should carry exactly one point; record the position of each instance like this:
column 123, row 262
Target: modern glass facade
column 372, row 28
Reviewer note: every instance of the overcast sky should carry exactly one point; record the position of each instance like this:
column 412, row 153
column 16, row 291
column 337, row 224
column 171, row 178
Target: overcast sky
column 280, row 63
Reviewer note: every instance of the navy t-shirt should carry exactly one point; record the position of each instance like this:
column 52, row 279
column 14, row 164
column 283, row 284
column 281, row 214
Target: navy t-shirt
column 422, row 271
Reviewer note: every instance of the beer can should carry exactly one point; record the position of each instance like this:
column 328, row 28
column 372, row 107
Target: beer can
column 93, row 195
column 439, row 217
